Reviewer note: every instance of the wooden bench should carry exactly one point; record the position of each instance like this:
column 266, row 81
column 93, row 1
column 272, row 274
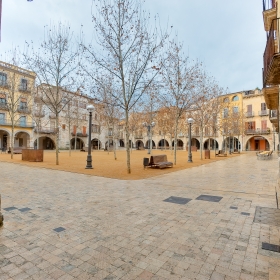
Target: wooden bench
column 221, row 153
column 17, row 150
column 160, row 161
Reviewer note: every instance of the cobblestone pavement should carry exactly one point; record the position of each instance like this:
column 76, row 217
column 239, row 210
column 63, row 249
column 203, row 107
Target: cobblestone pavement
column 61, row 225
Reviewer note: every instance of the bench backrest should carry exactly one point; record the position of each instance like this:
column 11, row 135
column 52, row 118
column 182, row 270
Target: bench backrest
column 158, row 158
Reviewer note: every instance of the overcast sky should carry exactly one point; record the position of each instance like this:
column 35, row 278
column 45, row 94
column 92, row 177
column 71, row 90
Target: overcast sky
column 228, row 36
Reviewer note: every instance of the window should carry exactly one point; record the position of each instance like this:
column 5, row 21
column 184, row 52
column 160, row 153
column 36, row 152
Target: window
column 95, row 128
column 23, row 105
column 197, row 130
column 2, row 118
column 225, row 112
column 84, row 130
column 63, row 126
column 226, row 100
column 3, row 79
column 95, row 117
column 83, row 105
column 250, row 125
column 263, row 106
column 235, row 98
column 235, row 109
column 74, row 129
column 22, row 121
column 23, row 84
column 2, row 98
column 249, row 108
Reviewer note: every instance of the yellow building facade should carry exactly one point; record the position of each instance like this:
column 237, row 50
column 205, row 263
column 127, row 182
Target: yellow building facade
column 16, row 102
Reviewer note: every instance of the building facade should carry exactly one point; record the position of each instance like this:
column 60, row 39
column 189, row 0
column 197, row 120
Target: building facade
column 16, row 101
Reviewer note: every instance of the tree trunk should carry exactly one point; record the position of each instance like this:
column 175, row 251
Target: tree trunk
column 127, row 142
column 201, row 144
column 57, row 140
column 69, row 141
column 12, row 140
column 175, row 140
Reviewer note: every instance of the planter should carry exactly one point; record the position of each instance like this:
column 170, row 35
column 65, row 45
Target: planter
column 32, row 155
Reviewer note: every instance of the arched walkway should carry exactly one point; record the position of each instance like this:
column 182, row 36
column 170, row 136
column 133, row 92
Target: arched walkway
column 195, row 143
column 139, row 144
column 45, row 143
column 213, row 142
column 180, row 144
column 4, row 140
column 122, row 143
column 148, row 144
column 163, row 144
column 257, row 143
column 22, row 139
column 96, row 144
column 78, row 145
column 110, row 146
column 231, row 143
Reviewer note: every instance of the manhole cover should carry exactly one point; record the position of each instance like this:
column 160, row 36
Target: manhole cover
column 59, row 229
column 210, row 198
column 177, row 200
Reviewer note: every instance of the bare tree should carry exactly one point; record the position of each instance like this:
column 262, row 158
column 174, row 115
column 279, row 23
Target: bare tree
column 56, row 64
column 180, row 77
column 129, row 46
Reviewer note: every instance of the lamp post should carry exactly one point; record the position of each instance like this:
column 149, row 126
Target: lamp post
column 190, row 122
column 90, row 109
column 149, row 127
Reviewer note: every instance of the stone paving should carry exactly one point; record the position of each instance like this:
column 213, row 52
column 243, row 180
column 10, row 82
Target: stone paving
column 61, row 225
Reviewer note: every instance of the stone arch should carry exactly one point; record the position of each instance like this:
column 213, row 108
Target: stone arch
column 139, row 144
column 45, row 143
column 180, row 144
column 231, row 143
column 213, row 143
column 257, row 143
column 4, row 139
column 96, row 144
column 22, row 139
column 122, row 145
column 79, row 144
column 148, row 144
column 163, row 144
column 195, row 143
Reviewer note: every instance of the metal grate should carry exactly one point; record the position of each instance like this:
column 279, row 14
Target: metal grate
column 24, row 209
column 210, row 198
column 59, row 229
column 9, row 208
column 271, row 247
column 177, row 200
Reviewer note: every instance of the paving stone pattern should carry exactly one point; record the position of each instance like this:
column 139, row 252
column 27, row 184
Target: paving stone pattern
column 125, row 230
column 266, row 215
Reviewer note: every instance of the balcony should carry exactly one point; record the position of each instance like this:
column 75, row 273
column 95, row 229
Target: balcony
column 23, row 88
column 256, row 131
column 4, row 85
column 271, row 97
column 249, row 114
column 45, row 130
column 271, row 57
column 269, row 13
column 4, row 106
column 23, row 110
column 263, row 113
column 17, row 124
column 79, row 134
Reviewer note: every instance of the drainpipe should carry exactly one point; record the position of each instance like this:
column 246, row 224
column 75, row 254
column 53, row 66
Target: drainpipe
column 1, row 216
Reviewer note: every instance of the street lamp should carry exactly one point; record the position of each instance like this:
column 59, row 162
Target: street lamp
column 149, row 127
column 190, row 122
column 90, row 109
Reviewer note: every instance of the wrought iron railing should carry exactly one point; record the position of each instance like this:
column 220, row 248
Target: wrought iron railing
column 18, row 123
column 271, row 47
column 249, row 114
column 273, row 114
column 263, row 113
column 257, row 131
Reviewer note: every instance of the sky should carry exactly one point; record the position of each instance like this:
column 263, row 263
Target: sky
column 227, row 36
